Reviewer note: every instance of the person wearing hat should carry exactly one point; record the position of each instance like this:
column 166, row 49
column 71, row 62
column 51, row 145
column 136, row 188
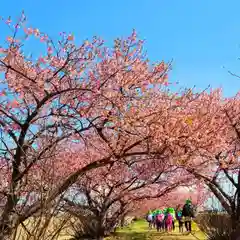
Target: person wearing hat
column 149, row 218
column 160, row 220
column 188, row 214
column 179, row 218
column 154, row 218
column 172, row 212
column 165, row 216
column 169, row 220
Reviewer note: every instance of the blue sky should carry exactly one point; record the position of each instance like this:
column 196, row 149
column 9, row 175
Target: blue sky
column 200, row 36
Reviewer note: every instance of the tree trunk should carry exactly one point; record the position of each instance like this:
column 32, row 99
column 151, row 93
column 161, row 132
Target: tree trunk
column 5, row 235
column 235, row 221
column 100, row 228
column 231, row 209
column 235, row 218
column 122, row 221
column 7, row 229
column 100, row 238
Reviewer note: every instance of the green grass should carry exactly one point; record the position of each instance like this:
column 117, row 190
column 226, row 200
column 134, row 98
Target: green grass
column 139, row 231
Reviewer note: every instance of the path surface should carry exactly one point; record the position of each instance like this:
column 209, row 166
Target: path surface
column 139, row 231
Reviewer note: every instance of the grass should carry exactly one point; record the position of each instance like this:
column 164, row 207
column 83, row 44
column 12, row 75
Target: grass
column 139, row 231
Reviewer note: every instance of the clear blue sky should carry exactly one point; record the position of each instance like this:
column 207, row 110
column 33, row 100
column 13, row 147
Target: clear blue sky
column 201, row 36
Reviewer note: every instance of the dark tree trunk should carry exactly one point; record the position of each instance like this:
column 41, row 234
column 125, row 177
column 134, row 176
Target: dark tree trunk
column 6, row 227
column 100, row 231
column 232, row 207
column 122, row 221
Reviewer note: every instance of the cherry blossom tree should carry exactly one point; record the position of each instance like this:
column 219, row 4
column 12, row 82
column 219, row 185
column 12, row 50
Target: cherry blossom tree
column 112, row 100
column 217, row 166
column 73, row 108
column 175, row 198
column 112, row 192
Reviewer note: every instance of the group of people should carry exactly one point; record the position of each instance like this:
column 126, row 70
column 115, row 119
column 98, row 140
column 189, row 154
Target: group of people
column 164, row 220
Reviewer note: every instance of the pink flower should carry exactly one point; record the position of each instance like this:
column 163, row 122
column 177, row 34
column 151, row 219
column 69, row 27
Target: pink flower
column 49, row 50
column 10, row 39
column 70, row 37
column 8, row 21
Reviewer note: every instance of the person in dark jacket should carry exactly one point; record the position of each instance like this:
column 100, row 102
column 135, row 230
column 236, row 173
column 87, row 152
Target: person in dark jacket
column 179, row 218
column 188, row 214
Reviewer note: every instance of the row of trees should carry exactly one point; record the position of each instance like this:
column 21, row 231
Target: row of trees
column 102, row 124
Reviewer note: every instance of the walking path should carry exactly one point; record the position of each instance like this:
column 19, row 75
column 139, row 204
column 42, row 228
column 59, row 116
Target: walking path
column 139, row 231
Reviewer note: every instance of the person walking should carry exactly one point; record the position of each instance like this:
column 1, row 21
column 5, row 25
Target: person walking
column 169, row 221
column 179, row 218
column 172, row 212
column 154, row 218
column 160, row 220
column 164, row 221
column 150, row 219
column 188, row 214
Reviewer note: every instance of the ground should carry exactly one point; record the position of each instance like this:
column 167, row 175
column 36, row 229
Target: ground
column 139, row 231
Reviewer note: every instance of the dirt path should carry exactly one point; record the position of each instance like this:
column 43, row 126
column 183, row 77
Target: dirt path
column 139, row 231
